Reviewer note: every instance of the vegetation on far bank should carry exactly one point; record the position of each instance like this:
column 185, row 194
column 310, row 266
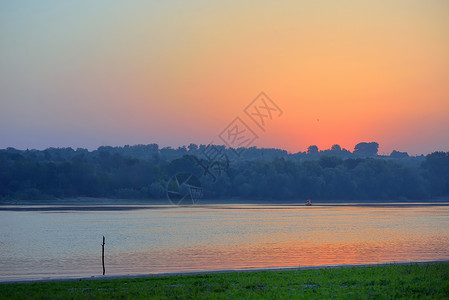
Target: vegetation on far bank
column 416, row 281
column 144, row 171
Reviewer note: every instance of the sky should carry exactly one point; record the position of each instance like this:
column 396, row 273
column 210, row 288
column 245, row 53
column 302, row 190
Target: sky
column 91, row 73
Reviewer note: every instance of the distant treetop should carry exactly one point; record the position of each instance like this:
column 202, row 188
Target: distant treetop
column 366, row 149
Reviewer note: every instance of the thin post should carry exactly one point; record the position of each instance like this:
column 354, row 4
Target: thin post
column 102, row 254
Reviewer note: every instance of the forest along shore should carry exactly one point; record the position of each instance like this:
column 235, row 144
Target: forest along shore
column 260, row 175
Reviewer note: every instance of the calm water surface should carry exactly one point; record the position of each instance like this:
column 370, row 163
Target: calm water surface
column 36, row 244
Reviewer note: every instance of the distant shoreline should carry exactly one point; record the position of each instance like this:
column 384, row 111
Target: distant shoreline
column 204, row 201
column 127, row 205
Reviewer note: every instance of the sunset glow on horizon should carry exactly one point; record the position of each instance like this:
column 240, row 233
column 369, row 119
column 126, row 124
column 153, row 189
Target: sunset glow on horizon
column 80, row 74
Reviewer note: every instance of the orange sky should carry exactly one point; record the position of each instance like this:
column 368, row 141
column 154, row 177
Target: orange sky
column 80, row 74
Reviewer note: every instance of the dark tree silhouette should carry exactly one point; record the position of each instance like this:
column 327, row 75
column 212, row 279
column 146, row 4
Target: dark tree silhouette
column 366, row 149
column 312, row 149
column 398, row 154
column 336, row 148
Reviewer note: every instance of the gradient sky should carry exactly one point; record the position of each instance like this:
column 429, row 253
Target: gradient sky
column 91, row 73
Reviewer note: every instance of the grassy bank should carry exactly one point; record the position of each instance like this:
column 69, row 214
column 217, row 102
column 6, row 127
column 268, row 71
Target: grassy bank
column 393, row 281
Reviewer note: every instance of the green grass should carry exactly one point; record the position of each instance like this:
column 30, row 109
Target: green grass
column 414, row 281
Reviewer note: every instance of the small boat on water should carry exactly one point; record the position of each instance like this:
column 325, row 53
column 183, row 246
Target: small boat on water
column 309, row 202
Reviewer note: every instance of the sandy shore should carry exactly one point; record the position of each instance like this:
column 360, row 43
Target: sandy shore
column 186, row 273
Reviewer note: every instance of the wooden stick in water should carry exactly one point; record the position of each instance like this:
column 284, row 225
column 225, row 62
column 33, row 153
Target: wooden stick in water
column 102, row 254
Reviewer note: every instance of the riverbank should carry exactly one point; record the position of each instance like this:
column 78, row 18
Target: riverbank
column 415, row 280
column 121, row 205
column 88, row 201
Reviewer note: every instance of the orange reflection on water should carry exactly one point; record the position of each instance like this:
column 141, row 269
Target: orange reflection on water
column 277, row 255
column 290, row 237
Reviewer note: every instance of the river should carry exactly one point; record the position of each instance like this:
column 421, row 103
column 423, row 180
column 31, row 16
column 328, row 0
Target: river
column 58, row 241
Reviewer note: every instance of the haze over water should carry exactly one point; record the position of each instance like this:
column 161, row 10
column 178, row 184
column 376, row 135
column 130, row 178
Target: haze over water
column 159, row 239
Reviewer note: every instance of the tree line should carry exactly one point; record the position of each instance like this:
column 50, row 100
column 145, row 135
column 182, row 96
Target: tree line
column 143, row 172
